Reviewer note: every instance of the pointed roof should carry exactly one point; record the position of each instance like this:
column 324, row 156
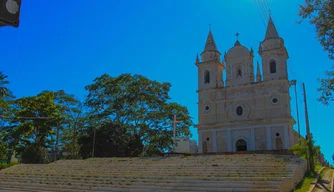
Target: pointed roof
column 237, row 43
column 210, row 44
column 271, row 30
column 258, row 73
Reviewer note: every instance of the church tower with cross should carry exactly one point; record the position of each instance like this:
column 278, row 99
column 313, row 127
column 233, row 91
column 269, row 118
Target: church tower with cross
column 243, row 111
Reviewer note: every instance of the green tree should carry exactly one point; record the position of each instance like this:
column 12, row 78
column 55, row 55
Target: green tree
column 302, row 149
column 35, row 117
column 321, row 14
column 6, row 97
column 327, row 88
column 4, row 91
column 141, row 105
column 111, row 141
column 71, row 122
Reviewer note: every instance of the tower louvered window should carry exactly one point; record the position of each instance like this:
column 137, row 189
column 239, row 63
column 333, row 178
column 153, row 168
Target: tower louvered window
column 206, row 77
column 272, row 66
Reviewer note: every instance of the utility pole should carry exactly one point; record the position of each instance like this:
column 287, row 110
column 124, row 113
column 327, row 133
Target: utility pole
column 308, row 136
column 98, row 114
column 294, row 82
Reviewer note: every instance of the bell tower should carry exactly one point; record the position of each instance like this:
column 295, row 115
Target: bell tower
column 210, row 69
column 274, row 55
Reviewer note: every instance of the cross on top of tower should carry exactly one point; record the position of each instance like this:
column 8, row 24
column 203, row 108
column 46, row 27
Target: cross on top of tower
column 237, row 35
column 237, row 43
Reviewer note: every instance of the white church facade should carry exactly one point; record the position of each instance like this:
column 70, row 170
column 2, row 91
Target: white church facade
column 244, row 112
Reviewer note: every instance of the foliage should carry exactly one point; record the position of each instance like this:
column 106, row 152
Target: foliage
column 6, row 97
column 139, row 104
column 34, row 119
column 327, row 88
column 302, row 149
column 321, row 14
column 71, row 121
column 4, row 91
column 3, row 150
column 34, row 153
column 305, row 184
column 111, row 141
column 130, row 114
column 6, row 165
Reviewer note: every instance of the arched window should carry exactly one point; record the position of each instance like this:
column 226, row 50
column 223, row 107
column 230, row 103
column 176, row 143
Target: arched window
column 206, row 77
column 239, row 73
column 272, row 66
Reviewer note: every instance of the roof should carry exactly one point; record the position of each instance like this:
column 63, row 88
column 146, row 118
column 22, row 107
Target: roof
column 271, row 30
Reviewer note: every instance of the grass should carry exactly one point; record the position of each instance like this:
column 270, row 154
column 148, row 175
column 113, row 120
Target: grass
column 305, row 184
column 5, row 165
column 317, row 168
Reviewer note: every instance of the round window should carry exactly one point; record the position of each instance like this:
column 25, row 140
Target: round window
column 275, row 100
column 207, row 139
column 207, row 108
column 239, row 111
column 277, row 134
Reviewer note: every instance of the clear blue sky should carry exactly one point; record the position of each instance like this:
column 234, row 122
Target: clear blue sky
column 66, row 44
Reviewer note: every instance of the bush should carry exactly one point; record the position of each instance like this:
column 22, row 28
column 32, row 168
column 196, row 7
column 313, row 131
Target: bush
column 34, row 155
column 6, row 165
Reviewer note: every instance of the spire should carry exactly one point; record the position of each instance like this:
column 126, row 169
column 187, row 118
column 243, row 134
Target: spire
column 197, row 59
column 271, row 30
column 237, row 43
column 258, row 73
column 210, row 44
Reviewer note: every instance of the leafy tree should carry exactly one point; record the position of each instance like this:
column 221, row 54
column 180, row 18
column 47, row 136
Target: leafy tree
column 34, row 153
column 71, row 121
column 111, row 141
column 6, row 97
column 140, row 105
column 4, row 91
column 321, row 14
column 302, row 149
column 327, row 88
column 36, row 116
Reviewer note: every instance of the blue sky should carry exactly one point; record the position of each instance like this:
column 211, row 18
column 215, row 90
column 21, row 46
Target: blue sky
column 66, row 44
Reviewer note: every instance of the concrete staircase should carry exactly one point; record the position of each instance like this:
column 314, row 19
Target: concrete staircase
column 191, row 173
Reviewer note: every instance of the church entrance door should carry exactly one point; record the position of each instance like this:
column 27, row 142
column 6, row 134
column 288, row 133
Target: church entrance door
column 241, row 145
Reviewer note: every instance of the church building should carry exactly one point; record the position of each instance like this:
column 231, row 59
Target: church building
column 244, row 112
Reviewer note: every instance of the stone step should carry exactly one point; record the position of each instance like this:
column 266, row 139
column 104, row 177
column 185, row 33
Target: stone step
column 195, row 181
column 102, row 168
column 185, row 163
column 218, row 169
column 183, row 173
column 183, row 178
column 51, row 187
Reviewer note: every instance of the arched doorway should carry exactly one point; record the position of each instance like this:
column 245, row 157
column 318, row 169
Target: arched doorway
column 241, row 145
